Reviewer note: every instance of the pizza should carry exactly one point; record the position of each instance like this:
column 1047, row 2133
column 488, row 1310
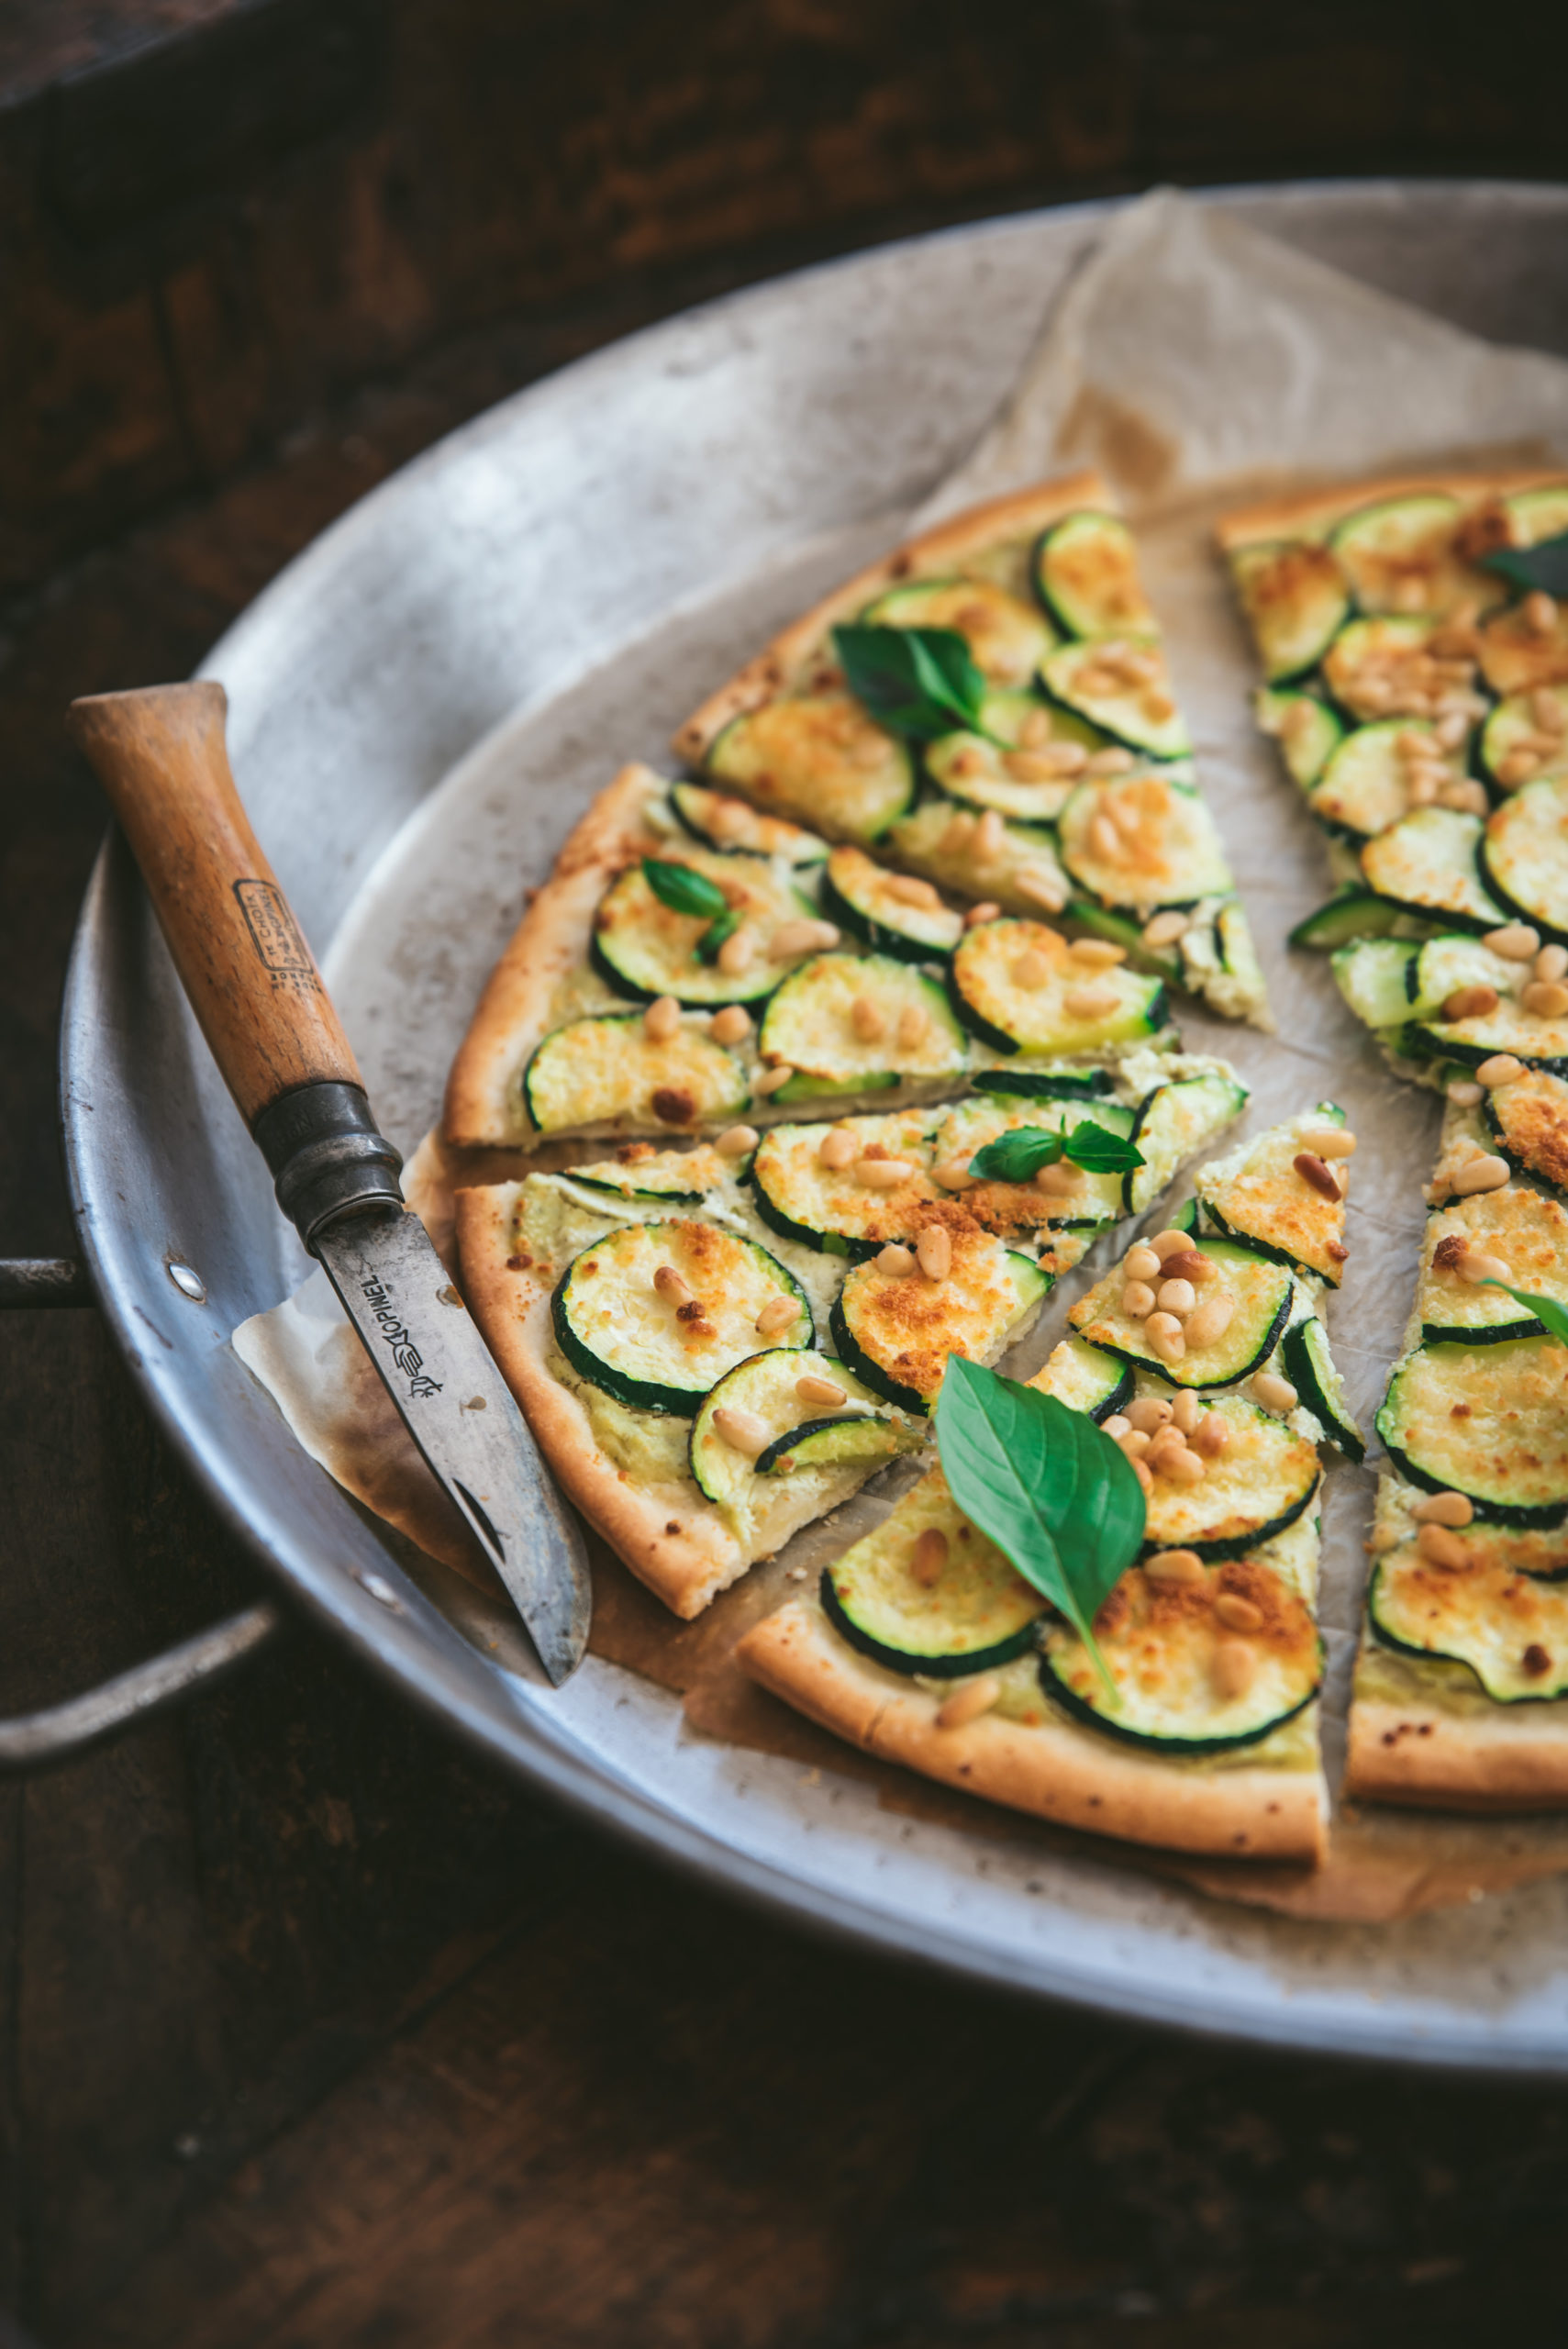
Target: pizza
column 1205, row 1354
column 715, row 1345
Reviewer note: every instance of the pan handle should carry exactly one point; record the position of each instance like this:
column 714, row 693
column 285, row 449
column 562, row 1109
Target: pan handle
column 58, row 1732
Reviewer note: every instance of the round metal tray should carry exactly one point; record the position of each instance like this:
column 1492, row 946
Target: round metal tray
column 556, row 565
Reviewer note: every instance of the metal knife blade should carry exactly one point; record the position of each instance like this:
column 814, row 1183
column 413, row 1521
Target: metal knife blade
column 459, row 1410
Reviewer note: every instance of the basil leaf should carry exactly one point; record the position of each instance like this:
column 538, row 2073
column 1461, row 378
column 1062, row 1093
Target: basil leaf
column 1551, row 1316
column 712, row 939
column 1043, row 1483
column 1543, row 566
column 1018, row 1157
column 917, row 681
column 685, row 890
column 1099, row 1151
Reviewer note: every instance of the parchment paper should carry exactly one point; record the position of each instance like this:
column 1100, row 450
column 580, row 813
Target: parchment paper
column 1198, row 364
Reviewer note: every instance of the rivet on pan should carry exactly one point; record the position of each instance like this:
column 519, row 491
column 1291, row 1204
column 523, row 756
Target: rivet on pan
column 188, row 1282
column 380, row 1590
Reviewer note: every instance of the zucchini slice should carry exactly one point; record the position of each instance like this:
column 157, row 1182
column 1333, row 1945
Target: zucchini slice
column 765, row 1385
column 1006, row 638
column 1023, row 762
column 1537, row 514
column 663, row 1177
column 616, row 1330
column 1085, row 1379
column 1427, row 865
column 1525, row 1232
column 1172, row 1122
column 1442, row 965
column 1363, row 787
column 643, row 948
column 1047, row 1016
column 1260, row 1289
column 1446, row 963
column 1529, row 1121
column 1511, row 1630
column 1376, row 976
column 1123, row 929
column 1353, row 914
column 1488, row 1421
column 818, row 759
column 1160, row 1641
column 893, row 912
column 1312, row 1371
column 1399, row 556
column 1256, row 1195
column 1142, row 714
column 1524, row 854
column 811, row 1025
column 896, row 1334
column 608, row 1071
column 1516, row 657
column 1380, row 668
column 1016, row 1211
column 1050, row 1084
column 1142, row 841
column 1236, row 987
column 977, row 1613
column 1308, row 731
column 829, row 1208
column 943, row 841
column 1263, row 1481
column 716, row 820
column 1295, row 599
column 1085, row 569
column 1512, row 733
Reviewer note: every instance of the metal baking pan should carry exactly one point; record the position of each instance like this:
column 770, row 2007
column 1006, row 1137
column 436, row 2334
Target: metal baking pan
column 717, row 464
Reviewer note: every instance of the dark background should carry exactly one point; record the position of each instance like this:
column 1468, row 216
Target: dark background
column 310, row 2032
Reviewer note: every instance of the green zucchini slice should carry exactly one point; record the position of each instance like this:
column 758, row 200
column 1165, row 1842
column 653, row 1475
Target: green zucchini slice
column 1363, row 787
column 1018, row 1210
column 1085, row 569
column 821, row 761
column 1427, row 865
column 893, row 912
column 1263, row 1481
column 616, row 1330
column 1260, row 1289
column 1524, row 854
column 1256, row 1195
column 1374, row 976
column 1308, row 731
column 1085, row 1379
column 896, row 1334
column 1022, row 763
column 810, row 1025
column 978, row 1612
column 1006, row 638
column 1399, row 556
column 1237, row 987
column 1311, row 1369
column 943, row 841
column 1124, row 929
column 1295, row 599
column 1442, row 965
column 1047, row 1017
column 1539, row 1043
column 766, row 1386
column 1353, row 915
column 1172, row 1122
column 1510, row 1628
column 1525, row 1232
column 1512, row 733
column 1529, row 1121
column 643, row 948
column 717, row 819
column 1537, row 514
column 829, row 1208
column 663, row 1177
column 1159, row 1642
column 1379, row 668
column 1048, row 1083
column 1143, row 715
column 1142, row 841
column 1489, row 1421
column 608, row 1070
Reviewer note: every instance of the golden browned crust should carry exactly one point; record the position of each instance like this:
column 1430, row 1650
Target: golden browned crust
column 1514, row 1757
column 1308, row 510
column 484, row 1105
column 1021, row 513
column 1055, row 1772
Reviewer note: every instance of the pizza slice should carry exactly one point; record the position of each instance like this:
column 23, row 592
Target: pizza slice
column 1419, row 698
column 715, row 1346
column 1050, row 772
column 1204, row 1356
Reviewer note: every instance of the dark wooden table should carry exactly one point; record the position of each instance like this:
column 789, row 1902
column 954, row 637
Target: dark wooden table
column 311, row 2032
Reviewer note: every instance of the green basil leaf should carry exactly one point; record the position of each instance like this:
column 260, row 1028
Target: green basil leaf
column 1016, row 1157
column 1043, row 1483
column 1543, row 566
column 1551, row 1316
column 683, row 889
column 917, row 681
column 712, row 939
column 1099, row 1151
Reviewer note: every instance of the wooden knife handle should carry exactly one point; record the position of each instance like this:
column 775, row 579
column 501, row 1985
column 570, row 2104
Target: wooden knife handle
column 161, row 756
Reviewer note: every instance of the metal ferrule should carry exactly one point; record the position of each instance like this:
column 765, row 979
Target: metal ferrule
column 327, row 1160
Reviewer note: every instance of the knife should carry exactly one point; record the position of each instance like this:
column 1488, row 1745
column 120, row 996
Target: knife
column 253, row 986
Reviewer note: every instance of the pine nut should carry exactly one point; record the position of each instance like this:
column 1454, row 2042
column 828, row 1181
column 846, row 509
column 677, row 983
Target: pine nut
column 1452, row 729
column 1186, row 1410
column 1115, row 1426
column 1169, row 1242
column 1138, row 1300
column 1540, row 612
column 837, row 1147
column 777, row 1314
column 772, row 1080
column 1421, row 787
column 1330, row 1142
column 986, row 910
column 1547, row 712
column 742, row 1430
column 1134, row 1444
column 661, row 1020
column 1516, row 942
column 1381, row 1539
column 1210, row 1436
column 669, row 1285
column 1165, row 1445
column 1164, row 930
column 953, row 1175
column 895, row 1262
column 884, row 1174
column 1174, row 1565
column 729, row 819
column 1141, row 1262
column 1110, row 761
column 989, row 837
column 1463, row 1095
column 1175, row 1296
column 1275, row 1393
column 1150, row 1413
column 1030, row 968
column 1444, row 1508
column 1470, row 1003
column 933, row 1251
column 1442, row 1547
column 1040, row 888
column 1211, row 1320
column 1475, row 1268
column 928, row 1556
column 967, row 1704
column 958, row 835
column 1036, row 730
column 1238, row 1614
column 1485, row 1174
column 1234, row 1669
column 1104, row 839
column 1098, row 952
column 1059, row 1180
column 1545, row 999
column 1144, row 1478
column 1185, row 1467
column 1501, row 1069
column 730, row 1026
column 1035, row 766
column 735, row 955
column 868, row 1019
column 736, row 1141
column 1312, row 1170
column 1089, row 1003
column 825, row 1391
column 1168, row 1342
column 1516, row 767
column 802, row 937
column 914, row 1025
column 910, row 892
column 1551, row 963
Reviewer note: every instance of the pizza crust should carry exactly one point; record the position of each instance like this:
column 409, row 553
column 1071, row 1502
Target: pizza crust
column 1513, row 1758
column 1055, row 1772
column 1306, row 509
column 1023, row 513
